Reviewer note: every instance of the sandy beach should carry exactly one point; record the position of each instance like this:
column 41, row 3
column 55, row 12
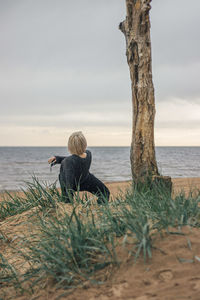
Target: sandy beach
column 164, row 277
column 178, row 185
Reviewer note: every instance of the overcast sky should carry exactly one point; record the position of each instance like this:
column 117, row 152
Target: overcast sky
column 63, row 68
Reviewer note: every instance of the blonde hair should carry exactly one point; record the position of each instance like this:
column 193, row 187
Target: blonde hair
column 77, row 143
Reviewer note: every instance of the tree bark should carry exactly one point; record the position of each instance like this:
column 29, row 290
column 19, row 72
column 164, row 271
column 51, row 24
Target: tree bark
column 136, row 29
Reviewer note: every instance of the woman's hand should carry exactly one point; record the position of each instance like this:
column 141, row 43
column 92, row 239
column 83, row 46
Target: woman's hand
column 51, row 160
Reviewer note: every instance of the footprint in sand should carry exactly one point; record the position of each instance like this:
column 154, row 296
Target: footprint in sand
column 195, row 284
column 118, row 290
column 165, row 275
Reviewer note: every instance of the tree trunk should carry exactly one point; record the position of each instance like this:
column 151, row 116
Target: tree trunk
column 136, row 29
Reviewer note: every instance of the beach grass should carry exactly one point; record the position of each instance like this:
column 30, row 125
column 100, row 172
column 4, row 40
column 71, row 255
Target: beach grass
column 35, row 194
column 70, row 246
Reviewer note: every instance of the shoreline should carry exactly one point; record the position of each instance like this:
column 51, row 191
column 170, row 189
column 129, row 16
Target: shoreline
column 185, row 184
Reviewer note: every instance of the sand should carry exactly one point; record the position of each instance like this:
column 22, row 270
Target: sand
column 162, row 278
column 179, row 184
column 171, row 274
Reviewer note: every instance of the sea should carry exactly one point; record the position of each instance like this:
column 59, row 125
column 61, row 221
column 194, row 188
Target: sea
column 18, row 165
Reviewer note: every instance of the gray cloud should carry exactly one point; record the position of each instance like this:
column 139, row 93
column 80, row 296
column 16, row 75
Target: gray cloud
column 177, row 81
column 176, row 48
column 180, row 125
column 175, row 31
column 63, row 34
column 66, row 57
column 84, row 118
column 50, row 93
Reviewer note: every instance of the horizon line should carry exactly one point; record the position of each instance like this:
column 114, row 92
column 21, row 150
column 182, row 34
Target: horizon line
column 6, row 146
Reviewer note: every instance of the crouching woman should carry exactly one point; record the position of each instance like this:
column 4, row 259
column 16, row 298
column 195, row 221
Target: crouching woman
column 74, row 171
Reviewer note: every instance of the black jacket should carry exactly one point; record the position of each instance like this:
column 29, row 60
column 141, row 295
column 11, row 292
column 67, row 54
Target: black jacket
column 74, row 170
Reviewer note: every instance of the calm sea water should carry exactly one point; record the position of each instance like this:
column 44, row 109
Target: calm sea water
column 19, row 164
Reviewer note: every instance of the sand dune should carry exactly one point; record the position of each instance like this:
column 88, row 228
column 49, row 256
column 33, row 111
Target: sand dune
column 173, row 273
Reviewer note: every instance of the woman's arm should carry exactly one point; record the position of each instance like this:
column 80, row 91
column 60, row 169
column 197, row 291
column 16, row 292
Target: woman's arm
column 59, row 159
column 56, row 159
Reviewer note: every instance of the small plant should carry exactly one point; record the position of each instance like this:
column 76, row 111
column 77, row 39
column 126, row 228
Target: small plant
column 138, row 227
column 41, row 195
column 144, row 240
column 186, row 209
column 34, row 195
column 13, row 205
column 68, row 250
column 8, row 274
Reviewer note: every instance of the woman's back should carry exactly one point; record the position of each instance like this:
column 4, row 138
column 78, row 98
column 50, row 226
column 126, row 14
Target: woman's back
column 75, row 169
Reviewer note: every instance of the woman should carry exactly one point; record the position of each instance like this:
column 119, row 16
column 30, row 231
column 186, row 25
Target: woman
column 74, row 171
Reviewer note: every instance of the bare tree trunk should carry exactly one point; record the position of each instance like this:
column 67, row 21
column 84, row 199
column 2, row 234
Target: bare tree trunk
column 136, row 29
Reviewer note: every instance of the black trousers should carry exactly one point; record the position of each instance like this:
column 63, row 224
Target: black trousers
column 92, row 185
